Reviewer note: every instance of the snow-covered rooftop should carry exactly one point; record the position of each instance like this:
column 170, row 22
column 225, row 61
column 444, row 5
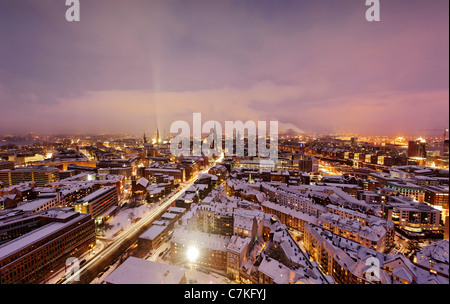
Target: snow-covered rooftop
column 139, row 271
column 200, row 239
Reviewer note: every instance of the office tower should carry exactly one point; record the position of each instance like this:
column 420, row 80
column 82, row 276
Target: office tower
column 417, row 148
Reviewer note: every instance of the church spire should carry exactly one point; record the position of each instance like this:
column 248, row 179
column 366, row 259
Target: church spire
column 144, row 140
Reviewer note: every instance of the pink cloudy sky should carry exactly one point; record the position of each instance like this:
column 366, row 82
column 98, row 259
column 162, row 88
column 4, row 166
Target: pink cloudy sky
column 312, row 65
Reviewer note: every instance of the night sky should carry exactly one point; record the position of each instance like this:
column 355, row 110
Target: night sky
column 313, row 65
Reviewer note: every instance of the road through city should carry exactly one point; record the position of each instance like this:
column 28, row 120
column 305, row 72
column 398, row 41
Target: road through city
column 76, row 274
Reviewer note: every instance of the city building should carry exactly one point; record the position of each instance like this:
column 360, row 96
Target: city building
column 23, row 190
column 271, row 271
column 41, row 175
column 410, row 215
column 212, row 248
column 32, row 256
column 177, row 173
column 292, row 197
column 350, row 263
column 99, row 204
column 308, row 164
column 16, row 222
column 290, row 217
column 375, row 236
column 96, row 180
column 417, row 148
column 41, row 203
column 437, row 197
column 153, row 237
column 408, row 189
column 6, row 165
column 139, row 271
column 435, row 258
column 237, row 254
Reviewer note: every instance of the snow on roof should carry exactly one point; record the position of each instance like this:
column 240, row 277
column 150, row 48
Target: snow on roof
column 165, row 170
column 143, row 182
column 200, row 239
column 188, row 196
column 375, row 233
column 347, row 252
column 36, row 204
column 237, row 244
column 207, row 200
column 197, row 187
column 69, row 189
column 8, row 196
column 162, row 222
column 402, row 273
column 95, row 194
column 155, row 190
column 275, row 270
column 140, row 271
column 176, row 209
column 153, row 232
column 168, row 215
column 243, row 222
column 38, row 234
column 282, row 274
column 435, row 256
column 333, row 177
column 292, row 212
column 352, row 212
column 206, row 175
column 401, row 184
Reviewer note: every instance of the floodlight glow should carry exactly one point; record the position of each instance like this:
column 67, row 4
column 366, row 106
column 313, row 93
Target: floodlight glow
column 192, row 254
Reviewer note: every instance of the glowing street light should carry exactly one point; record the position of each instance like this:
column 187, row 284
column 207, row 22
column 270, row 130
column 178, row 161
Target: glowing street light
column 192, row 254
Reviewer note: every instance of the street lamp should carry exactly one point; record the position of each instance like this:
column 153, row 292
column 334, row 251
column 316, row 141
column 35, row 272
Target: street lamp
column 192, row 254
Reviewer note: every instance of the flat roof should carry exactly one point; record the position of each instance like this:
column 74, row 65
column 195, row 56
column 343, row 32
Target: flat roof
column 95, row 194
column 176, row 209
column 29, row 238
column 169, row 215
column 152, row 232
column 140, row 271
column 32, row 205
column 164, row 169
column 200, row 239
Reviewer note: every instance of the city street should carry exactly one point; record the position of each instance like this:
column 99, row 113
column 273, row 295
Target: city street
column 133, row 231
column 58, row 276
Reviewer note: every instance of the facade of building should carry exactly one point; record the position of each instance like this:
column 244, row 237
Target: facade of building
column 308, row 164
column 350, row 263
column 237, row 254
column 99, row 204
column 375, row 236
column 411, row 216
column 408, row 189
column 212, row 248
column 292, row 198
column 437, row 197
column 417, row 148
column 40, row 204
column 152, row 238
column 178, row 174
column 6, row 165
column 40, row 175
column 28, row 259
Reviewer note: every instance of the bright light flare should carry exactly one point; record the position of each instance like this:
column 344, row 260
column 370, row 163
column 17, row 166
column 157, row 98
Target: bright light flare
column 192, row 254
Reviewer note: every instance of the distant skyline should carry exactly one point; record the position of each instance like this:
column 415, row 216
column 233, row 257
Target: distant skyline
column 316, row 66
